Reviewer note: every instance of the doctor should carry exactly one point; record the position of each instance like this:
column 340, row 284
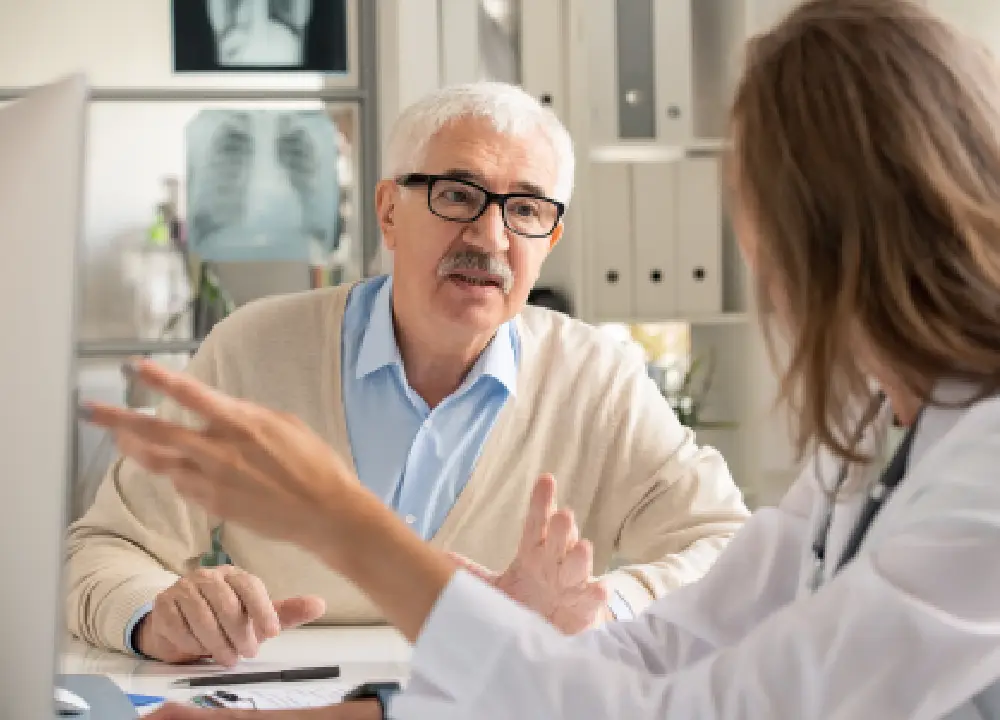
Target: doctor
column 866, row 194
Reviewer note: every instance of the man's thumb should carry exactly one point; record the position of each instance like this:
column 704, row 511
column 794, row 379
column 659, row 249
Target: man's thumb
column 299, row 610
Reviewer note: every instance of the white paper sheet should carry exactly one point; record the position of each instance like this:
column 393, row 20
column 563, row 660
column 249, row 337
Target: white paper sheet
column 284, row 696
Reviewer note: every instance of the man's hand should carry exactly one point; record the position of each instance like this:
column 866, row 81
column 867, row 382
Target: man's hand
column 551, row 573
column 221, row 613
column 357, row 710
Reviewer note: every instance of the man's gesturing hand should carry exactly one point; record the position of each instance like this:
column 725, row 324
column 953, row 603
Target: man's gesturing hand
column 551, row 573
column 221, row 613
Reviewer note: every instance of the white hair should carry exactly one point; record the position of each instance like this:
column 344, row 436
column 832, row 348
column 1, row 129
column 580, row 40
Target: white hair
column 509, row 109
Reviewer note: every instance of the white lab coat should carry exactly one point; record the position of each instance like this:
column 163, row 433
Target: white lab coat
column 910, row 629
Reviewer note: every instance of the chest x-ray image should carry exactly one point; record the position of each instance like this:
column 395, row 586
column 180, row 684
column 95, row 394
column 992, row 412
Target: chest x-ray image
column 268, row 35
column 262, row 185
column 259, row 32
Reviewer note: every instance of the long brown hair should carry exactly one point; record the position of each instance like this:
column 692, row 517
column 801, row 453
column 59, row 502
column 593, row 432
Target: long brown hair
column 866, row 155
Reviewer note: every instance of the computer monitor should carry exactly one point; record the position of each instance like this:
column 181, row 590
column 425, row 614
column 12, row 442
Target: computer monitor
column 41, row 178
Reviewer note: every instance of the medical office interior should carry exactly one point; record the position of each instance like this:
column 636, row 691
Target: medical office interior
column 196, row 172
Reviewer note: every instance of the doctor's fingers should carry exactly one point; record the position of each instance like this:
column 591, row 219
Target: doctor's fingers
column 251, row 500
column 153, row 428
column 209, row 404
column 218, row 461
column 154, row 458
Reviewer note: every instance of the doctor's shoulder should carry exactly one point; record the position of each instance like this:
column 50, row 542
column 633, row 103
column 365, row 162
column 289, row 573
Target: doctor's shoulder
column 958, row 477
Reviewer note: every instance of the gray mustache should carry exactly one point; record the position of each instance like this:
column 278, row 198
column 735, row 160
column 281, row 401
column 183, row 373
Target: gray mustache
column 471, row 260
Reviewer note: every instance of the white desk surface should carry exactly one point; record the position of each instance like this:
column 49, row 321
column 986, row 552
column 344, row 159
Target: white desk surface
column 362, row 653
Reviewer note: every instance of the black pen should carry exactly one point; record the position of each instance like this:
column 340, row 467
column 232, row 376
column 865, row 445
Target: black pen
column 295, row 675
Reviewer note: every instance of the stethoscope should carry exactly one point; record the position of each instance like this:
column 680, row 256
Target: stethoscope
column 891, row 477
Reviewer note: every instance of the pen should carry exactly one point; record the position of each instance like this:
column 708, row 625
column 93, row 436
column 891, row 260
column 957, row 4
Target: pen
column 296, row 675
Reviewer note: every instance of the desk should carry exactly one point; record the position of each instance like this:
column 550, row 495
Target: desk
column 362, row 653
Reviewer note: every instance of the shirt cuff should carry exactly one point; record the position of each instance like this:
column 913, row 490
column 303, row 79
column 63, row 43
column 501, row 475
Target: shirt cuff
column 133, row 623
column 632, row 593
column 486, row 621
column 619, row 606
column 106, row 628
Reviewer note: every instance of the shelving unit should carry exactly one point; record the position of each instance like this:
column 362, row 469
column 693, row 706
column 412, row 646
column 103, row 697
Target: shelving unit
column 647, row 117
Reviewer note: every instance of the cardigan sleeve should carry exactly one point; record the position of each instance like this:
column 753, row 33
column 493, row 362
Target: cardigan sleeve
column 134, row 542
column 674, row 505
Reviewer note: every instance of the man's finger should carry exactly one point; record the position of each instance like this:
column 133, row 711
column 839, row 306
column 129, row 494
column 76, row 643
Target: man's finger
column 254, row 598
column 174, row 627
column 299, row 610
column 557, row 538
column 540, row 509
column 596, row 594
column 205, row 626
column 229, row 613
column 578, row 565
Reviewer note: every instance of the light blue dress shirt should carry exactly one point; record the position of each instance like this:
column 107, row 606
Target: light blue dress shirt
column 415, row 458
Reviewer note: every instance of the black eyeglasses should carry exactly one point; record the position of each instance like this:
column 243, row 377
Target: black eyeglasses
column 459, row 200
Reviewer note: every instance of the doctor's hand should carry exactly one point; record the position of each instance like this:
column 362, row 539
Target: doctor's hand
column 357, row 710
column 222, row 613
column 261, row 468
column 551, row 573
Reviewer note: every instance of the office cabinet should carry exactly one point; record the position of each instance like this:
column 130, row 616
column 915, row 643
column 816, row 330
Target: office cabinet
column 654, row 190
column 698, row 277
column 657, row 240
column 672, row 37
column 609, row 221
column 542, row 58
column 639, row 56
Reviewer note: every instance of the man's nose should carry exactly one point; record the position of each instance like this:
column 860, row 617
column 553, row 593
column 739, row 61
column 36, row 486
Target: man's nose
column 488, row 232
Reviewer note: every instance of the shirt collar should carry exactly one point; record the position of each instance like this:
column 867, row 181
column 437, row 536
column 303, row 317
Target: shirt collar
column 378, row 344
column 379, row 349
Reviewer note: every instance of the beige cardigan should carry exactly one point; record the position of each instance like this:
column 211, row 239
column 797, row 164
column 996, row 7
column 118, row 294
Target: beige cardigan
column 585, row 410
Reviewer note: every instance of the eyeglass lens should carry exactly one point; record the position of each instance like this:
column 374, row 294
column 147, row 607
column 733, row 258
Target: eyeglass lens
column 456, row 200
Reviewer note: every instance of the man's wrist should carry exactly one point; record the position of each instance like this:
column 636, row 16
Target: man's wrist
column 133, row 627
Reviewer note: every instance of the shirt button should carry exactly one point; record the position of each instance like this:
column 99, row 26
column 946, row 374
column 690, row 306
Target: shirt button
column 410, row 519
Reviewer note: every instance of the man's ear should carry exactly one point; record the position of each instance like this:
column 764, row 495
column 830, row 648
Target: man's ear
column 556, row 234
column 386, row 196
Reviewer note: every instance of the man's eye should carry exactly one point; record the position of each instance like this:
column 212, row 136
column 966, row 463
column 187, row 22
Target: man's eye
column 456, row 196
column 523, row 209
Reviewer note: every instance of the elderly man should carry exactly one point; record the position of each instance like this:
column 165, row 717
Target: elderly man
column 445, row 392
